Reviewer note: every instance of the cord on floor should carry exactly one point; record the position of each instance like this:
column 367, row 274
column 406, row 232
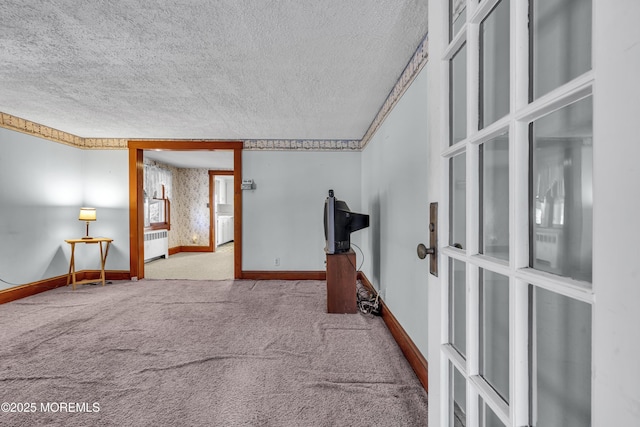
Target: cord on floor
column 368, row 304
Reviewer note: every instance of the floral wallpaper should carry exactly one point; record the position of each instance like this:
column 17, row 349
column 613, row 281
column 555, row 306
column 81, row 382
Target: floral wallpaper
column 189, row 210
column 188, row 192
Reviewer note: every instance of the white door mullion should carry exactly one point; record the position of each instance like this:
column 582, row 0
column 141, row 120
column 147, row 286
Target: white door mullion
column 519, row 137
column 473, row 199
column 533, row 362
column 519, row 215
column 443, row 225
column 473, row 407
column 473, row 320
column 473, row 77
column 491, row 398
column 472, row 5
column 519, row 196
column 445, row 390
column 482, row 10
column 473, row 340
column 472, row 173
column 519, row 54
column 472, row 189
column 519, row 349
column 568, row 287
column 444, row 302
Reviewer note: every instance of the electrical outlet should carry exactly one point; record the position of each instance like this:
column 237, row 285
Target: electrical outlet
column 276, row 261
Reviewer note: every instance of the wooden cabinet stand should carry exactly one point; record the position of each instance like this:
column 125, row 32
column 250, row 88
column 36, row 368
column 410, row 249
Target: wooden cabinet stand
column 341, row 282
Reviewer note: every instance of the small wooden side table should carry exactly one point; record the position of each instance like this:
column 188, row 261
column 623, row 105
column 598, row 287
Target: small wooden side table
column 71, row 278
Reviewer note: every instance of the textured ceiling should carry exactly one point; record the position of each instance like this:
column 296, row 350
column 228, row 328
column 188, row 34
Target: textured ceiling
column 203, row 69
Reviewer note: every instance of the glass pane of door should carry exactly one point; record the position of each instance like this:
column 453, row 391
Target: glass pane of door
column 457, row 16
column 488, row 418
column 542, row 338
column 458, row 398
column 458, row 104
column 458, row 306
column 563, row 191
column 494, row 331
column 562, row 361
column 494, row 65
column 560, row 42
column 494, row 197
column 458, row 201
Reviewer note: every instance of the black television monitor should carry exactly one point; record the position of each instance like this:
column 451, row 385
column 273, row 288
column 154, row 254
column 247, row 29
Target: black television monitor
column 339, row 223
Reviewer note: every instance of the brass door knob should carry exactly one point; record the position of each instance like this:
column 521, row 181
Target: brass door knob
column 423, row 251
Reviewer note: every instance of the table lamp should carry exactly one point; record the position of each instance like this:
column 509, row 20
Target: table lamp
column 87, row 214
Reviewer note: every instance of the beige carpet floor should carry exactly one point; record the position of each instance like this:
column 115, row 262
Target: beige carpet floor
column 216, row 265
column 200, row 353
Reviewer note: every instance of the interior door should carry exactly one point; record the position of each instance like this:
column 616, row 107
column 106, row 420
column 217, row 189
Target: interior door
column 517, row 262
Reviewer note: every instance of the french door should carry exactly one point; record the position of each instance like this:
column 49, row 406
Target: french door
column 517, row 312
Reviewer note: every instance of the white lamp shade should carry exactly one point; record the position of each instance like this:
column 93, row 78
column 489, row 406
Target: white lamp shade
column 87, row 214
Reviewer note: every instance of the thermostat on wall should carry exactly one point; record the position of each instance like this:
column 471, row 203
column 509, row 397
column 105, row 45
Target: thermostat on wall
column 247, row 184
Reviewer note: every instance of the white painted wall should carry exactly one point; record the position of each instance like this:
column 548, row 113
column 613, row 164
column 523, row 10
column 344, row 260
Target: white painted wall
column 616, row 169
column 42, row 187
column 283, row 215
column 394, row 193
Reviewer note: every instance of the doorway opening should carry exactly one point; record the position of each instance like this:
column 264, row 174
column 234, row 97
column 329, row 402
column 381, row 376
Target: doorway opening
column 136, row 197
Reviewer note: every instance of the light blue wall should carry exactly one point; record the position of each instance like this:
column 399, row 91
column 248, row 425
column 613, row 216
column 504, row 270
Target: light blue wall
column 43, row 184
column 283, row 216
column 42, row 187
column 394, row 169
column 106, row 187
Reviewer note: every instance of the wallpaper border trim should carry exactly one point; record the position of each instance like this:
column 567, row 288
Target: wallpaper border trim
column 28, row 127
column 410, row 72
column 302, row 144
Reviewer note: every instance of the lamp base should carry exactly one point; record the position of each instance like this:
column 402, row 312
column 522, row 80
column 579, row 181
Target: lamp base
column 86, row 236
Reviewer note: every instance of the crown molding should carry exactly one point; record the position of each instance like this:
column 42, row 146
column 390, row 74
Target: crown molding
column 417, row 62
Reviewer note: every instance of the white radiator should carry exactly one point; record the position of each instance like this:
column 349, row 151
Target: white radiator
column 156, row 244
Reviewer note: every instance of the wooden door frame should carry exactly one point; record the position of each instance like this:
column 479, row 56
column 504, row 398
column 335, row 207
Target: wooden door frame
column 136, row 176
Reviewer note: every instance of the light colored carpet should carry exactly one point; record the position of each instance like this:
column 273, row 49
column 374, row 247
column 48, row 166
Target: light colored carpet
column 201, row 353
column 216, row 265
